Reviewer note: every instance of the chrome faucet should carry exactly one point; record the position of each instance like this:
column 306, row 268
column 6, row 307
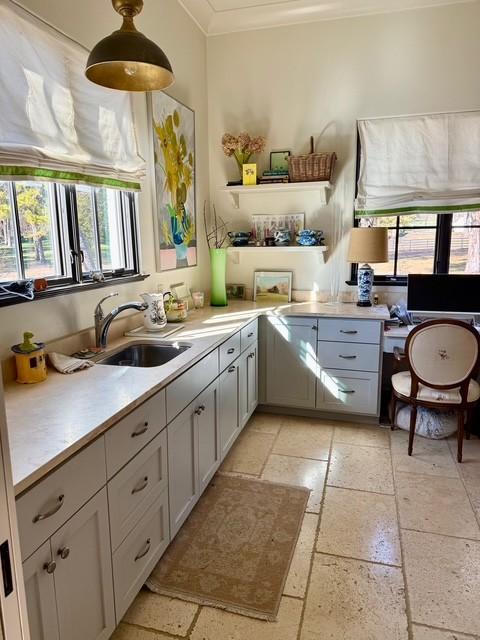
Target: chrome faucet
column 103, row 322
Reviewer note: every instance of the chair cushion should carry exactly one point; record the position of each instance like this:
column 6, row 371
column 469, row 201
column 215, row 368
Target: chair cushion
column 401, row 382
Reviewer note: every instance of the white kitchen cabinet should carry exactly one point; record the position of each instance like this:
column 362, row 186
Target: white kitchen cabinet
column 68, row 580
column 83, row 577
column 348, row 391
column 229, row 390
column 248, row 383
column 208, row 426
column 291, row 362
column 193, row 454
column 40, row 591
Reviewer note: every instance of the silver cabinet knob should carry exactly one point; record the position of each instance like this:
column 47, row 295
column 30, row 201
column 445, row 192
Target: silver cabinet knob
column 200, row 409
column 50, row 566
column 64, row 552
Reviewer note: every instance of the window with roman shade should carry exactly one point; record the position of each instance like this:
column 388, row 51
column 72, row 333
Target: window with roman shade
column 54, row 123
column 423, row 163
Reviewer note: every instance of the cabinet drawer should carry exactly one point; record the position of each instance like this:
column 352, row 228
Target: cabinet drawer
column 347, row 391
column 136, row 487
column 45, row 507
column 296, row 321
column 353, row 356
column 132, row 433
column 135, row 558
column 249, row 334
column 354, row 330
column 187, row 387
column 229, row 351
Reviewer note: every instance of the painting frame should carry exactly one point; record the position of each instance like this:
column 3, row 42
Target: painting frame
column 279, row 160
column 265, row 281
column 236, row 291
column 175, row 216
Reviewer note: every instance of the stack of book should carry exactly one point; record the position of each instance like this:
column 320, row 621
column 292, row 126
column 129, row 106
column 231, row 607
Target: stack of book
column 273, row 176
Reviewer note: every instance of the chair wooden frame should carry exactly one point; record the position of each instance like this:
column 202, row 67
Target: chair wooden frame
column 463, row 407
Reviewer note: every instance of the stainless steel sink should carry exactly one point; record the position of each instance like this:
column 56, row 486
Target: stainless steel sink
column 145, row 354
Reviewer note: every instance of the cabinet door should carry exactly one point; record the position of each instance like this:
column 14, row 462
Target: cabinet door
column 183, row 488
column 83, row 577
column 252, row 379
column 38, row 573
column 291, row 364
column 229, row 389
column 206, row 412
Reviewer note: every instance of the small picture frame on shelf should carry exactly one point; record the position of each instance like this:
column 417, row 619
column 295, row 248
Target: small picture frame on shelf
column 249, row 174
column 182, row 293
column 279, row 160
column 272, row 286
column 236, row 291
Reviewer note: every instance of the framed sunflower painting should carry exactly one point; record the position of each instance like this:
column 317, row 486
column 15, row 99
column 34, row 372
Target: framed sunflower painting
column 174, row 161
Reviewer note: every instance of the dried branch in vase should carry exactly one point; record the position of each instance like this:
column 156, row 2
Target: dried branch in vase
column 216, row 231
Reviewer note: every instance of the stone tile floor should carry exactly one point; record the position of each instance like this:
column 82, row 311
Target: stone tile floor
column 389, row 547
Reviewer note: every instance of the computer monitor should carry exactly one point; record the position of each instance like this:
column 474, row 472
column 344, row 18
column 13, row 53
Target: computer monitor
column 444, row 294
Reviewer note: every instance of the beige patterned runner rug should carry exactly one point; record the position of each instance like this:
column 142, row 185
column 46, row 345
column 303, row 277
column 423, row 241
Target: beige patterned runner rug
column 234, row 550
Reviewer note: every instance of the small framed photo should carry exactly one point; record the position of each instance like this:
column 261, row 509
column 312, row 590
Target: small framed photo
column 236, row 291
column 182, row 293
column 272, row 286
column 279, row 160
column 250, row 174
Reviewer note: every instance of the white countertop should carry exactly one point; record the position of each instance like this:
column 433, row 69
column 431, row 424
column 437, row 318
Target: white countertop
column 51, row 421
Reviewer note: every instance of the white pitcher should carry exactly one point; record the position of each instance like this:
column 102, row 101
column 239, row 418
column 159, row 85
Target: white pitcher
column 154, row 316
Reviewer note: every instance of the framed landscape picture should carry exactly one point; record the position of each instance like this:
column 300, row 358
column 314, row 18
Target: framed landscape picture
column 173, row 126
column 272, row 286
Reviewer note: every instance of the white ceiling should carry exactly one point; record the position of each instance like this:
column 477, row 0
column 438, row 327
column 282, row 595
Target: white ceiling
column 225, row 16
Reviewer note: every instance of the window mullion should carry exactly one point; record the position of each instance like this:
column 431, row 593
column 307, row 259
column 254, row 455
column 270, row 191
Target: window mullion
column 397, row 238
column 18, row 231
column 73, row 232
column 443, row 243
column 97, row 230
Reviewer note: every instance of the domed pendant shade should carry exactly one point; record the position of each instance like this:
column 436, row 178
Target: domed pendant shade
column 127, row 60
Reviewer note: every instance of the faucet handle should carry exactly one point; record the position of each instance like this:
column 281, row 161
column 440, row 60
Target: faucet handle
column 98, row 309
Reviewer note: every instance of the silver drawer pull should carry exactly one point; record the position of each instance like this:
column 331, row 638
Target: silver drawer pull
column 50, row 566
column 230, row 351
column 64, row 552
column 140, row 430
column 314, row 328
column 346, row 390
column 251, row 355
column 349, row 333
column 53, row 510
column 141, row 486
column 200, row 409
column 231, row 369
column 347, row 357
column 249, row 335
column 144, row 551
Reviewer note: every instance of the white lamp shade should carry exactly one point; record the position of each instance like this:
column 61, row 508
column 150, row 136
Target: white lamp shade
column 368, row 244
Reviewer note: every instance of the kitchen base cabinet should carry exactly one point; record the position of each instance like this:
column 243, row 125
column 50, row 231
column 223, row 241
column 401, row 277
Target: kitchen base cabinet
column 69, row 579
column 229, row 389
column 193, row 454
column 40, row 593
column 291, row 362
column 348, row 391
column 248, row 387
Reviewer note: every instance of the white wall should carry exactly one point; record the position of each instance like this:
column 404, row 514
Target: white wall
column 317, row 79
column 168, row 25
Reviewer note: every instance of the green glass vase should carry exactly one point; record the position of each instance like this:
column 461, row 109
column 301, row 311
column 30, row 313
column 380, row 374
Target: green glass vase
column 218, row 265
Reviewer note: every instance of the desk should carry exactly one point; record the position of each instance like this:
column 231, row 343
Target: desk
column 396, row 336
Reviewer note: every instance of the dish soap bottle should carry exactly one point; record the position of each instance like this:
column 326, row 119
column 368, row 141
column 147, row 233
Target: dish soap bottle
column 30, row 360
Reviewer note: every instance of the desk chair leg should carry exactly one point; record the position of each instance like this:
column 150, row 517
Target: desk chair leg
column 393, row 410
column 460, row 431
column 468, row 426
column 413, row 424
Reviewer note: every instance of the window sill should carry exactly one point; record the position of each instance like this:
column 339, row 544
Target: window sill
column 380, row 283
column 53, row 292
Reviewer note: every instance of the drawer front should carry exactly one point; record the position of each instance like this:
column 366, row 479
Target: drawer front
column 136, row 487
column 187, row 387
column 44, row 508
column 353, row 356
column 132, row 433
column 348, row 391
column 343, row 330
column 296, row 321
column 229, row 351
column 249, row 334
column 134, row 560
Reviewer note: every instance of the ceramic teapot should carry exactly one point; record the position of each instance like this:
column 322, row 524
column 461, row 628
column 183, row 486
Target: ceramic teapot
column 154, row 316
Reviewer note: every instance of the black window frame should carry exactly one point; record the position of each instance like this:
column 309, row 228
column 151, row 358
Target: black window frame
column 443, row 238
column 65, row 196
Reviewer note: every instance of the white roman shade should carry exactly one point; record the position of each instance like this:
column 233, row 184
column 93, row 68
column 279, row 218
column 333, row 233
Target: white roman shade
column 54, row 123
column 413, row 164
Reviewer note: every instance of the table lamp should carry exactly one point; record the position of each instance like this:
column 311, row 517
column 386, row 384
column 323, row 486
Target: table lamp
column 367, row 244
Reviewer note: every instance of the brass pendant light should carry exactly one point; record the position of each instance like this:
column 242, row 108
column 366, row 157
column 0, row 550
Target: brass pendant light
column 128, row 60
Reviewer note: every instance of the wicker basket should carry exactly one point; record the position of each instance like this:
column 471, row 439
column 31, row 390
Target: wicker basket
column 314, row 167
